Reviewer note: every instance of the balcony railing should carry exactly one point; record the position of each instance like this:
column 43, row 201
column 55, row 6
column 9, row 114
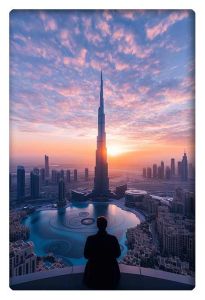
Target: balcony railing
column 132, row 278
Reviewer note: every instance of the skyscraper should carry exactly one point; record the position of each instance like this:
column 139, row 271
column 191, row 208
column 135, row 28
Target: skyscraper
column 68, row 176
column 86, row 174
column 149, row 172
column 61, row 193
column 34, row 184
column 172, row 167
column 20, row 182
column 62, row 174
column 191, row 171
column 75, row 175
column 47, row 166
column 159, row 172
column 42, row 176
column 184, row 168
column 162, row 169
column 144, row 172
column 179, row 168
column 154, row 171
column 101, row 180
column 54, row 176
column 168, row 173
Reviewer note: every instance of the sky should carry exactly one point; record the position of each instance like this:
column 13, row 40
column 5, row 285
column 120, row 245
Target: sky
column 147, row 59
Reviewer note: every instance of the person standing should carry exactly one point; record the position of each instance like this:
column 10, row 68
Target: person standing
column 102, row 250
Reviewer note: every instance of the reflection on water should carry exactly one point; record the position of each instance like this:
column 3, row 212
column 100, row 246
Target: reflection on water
column 63, row 233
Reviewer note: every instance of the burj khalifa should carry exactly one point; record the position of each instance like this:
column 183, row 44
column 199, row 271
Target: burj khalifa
column 101, row 180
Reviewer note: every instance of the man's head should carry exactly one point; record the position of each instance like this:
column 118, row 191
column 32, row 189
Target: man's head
column 101, row 223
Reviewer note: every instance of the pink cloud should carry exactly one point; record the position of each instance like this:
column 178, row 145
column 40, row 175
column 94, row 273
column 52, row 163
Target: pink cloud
column 95, row 65
column 144, row 89
column 71, row 91
column 49, row 23
column 188, row 82
column 128, row 14
column 107, row 15
column 93, row 37
column 78, row 61
column 66, row 40
column 119, row 66
column 164, row 25
column 173, row 96
column 118, row 34
column 128, row 45
column 42, row 49
column 104, row 28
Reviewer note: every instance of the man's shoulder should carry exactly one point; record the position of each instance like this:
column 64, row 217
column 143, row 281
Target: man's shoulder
column 91, row 237
column 111, row 237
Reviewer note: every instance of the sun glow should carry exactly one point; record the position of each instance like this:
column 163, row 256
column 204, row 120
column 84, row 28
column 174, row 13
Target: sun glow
column 115, row 150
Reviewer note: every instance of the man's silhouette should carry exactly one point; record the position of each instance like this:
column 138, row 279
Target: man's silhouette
column 101, row 250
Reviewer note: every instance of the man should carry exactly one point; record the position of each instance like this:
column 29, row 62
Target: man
column 101, row 250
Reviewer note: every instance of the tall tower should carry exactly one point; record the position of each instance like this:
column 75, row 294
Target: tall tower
column 172, row 167
column 61, row 193
column 184, row 168
column 34, row 184
column 20, row 182
column 101, row 180
column 47, row 173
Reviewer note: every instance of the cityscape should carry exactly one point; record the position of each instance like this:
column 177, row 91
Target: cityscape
column 54, row 202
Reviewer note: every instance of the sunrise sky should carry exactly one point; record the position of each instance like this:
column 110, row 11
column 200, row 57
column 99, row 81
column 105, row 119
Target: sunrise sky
column 147, row 58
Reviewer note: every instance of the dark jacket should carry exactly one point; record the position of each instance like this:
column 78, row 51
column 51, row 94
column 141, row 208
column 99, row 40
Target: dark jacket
column 102, row 270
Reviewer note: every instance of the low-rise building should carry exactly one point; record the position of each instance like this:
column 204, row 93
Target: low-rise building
column 22, row 258
column 173, row 264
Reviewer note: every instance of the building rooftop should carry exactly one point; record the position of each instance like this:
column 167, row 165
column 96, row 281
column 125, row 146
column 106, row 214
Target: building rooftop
column 135, row 192
column 132, row 278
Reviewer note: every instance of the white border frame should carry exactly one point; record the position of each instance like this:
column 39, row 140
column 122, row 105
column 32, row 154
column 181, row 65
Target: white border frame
column 6, row 7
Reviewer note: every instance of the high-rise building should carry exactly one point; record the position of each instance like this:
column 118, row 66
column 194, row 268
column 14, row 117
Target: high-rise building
column 191, row 171
column 36, row 171
column 149, row 172
column 172, row 167
column 42, row 176
column 154, row 171
column 47, row 166
column 168, row 173
column 75, row 175
column 159, row 172
column 62, row 174
column 61, row 193
column 120, row 191
column 68, row 176
column 86, row 174
column 144, row 172
column 101, row 180
column 54, row 176
column 179, row 169
column 20, row 182
column 34, row 184
column 162, row 169
column 58, row 175
column 184, row 168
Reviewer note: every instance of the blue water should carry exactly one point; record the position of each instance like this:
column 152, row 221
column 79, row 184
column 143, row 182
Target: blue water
column 61, row 232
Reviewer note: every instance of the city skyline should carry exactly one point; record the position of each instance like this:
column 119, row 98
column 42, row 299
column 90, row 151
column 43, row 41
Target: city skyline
column 149, row 84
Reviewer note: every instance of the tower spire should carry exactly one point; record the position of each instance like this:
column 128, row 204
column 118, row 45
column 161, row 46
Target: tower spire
column 101, row 92
column 101, row 180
